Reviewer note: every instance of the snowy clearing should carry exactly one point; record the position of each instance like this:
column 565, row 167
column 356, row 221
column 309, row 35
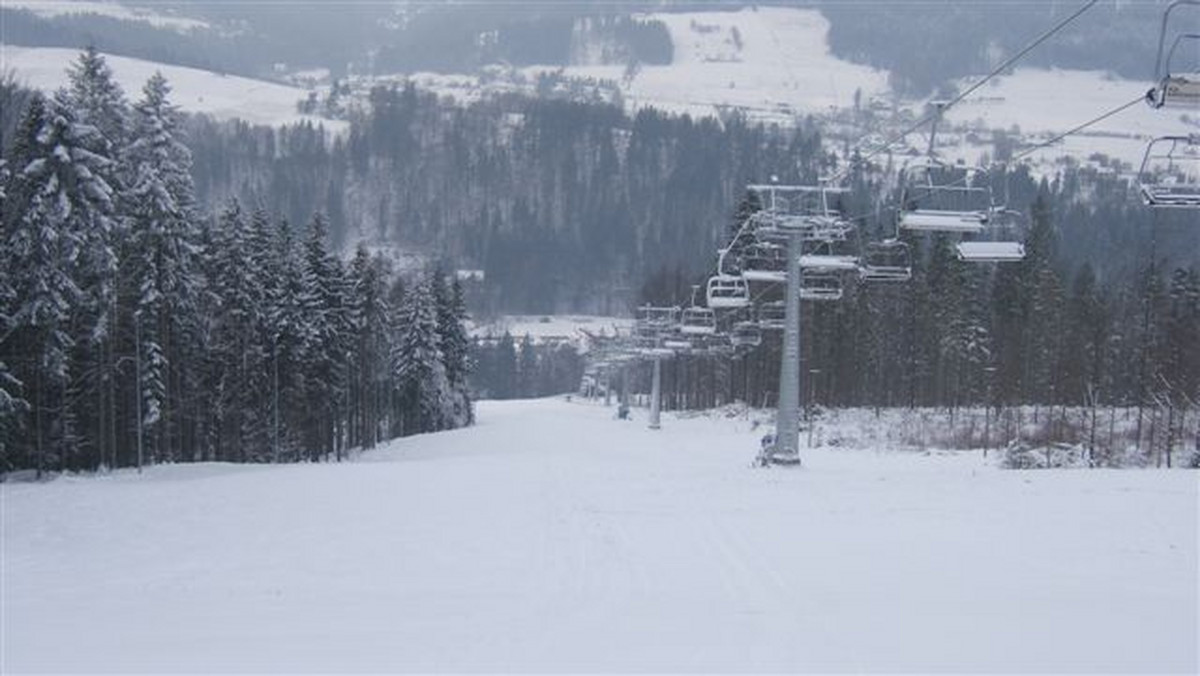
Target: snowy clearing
column 772, row 62
column 552, row 537
column 224, row 97
column 1043, row 103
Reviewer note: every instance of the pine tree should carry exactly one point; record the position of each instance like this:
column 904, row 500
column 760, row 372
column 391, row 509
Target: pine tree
column 322, row 303
column 452, row 334
column 100, row 112
column 161, row 260
column 418, row 364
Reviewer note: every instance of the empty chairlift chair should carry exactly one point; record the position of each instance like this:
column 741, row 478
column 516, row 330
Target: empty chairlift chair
column 821, row 286
column 698, row 321
column 935, row 200
column 1176, row 85
column 772, row 316
column 746, row 334
column 727, row 292
column 765, row 262
column 991, row 252
column 1170, row 173
column 889, row 260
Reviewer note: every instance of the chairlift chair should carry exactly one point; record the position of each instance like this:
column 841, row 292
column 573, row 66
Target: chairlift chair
column 772, row 316
column 1175, row 87
column 698, row 321
column 828, row 262
column 792, row 208
column 1170, row 173
column 821, row 286
column 991, row 252
column 746, row 334
column 727, row 291
column 889, row 260
column 931, row 202
column 765, row 262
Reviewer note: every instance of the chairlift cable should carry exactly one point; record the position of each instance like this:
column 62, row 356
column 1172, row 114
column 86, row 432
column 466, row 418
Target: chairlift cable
column 957, row 99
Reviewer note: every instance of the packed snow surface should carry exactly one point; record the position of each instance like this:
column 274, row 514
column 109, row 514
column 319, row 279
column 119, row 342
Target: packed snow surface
column 553, row 537
column 223, row 97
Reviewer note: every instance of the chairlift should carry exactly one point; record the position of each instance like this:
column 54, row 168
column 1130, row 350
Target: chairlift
column 746, row 334
column 824, row 287
column 798, row 208
column 991, row 252
column 727, row 291
column 933, row 202
column 698, row 321
column 772, row 316
column 677, row 343
column 1174, row 87
column 1170, row 173
column 765, row 262
column 888, row 260
column 828, row 262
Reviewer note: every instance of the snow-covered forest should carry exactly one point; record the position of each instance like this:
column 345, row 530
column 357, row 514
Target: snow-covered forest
column 138, row 325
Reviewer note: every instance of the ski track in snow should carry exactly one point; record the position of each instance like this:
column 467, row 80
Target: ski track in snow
column 552, row 537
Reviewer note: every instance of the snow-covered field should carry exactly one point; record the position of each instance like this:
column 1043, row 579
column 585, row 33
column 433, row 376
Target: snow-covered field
column 195, row 91
column 112, row 10
column 553, row 537
column 771, row 61
column 1044, row 103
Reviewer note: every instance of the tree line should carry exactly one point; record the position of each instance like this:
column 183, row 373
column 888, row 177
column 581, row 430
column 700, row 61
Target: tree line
column 134, row 329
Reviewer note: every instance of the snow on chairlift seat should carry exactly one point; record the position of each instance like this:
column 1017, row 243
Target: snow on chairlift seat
column 1167, row 195
column 828, row 262
column 991, row 252
column 936, row 220
column 728, row 291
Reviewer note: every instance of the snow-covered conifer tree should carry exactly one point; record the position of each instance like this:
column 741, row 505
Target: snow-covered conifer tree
column 160, row 209
column 417, row 362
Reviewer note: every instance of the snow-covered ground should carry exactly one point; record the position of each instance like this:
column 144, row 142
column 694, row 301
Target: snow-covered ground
column 771, row 61
column 552, row 537
column 1044, row 103
column 195, row 91
column 112, row 10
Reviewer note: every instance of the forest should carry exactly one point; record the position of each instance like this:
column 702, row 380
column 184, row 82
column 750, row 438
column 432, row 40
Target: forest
column 136, row 327
column 580, row 207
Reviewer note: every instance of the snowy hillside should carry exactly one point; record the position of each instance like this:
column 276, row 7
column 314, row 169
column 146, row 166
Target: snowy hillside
column 554, row 538
column 773, row 62
column 113, row 10
column 194, row 91
column 1044, row 103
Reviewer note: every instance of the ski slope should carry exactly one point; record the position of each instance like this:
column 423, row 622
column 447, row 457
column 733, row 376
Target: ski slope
column 224, row 97
column 552, row 537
